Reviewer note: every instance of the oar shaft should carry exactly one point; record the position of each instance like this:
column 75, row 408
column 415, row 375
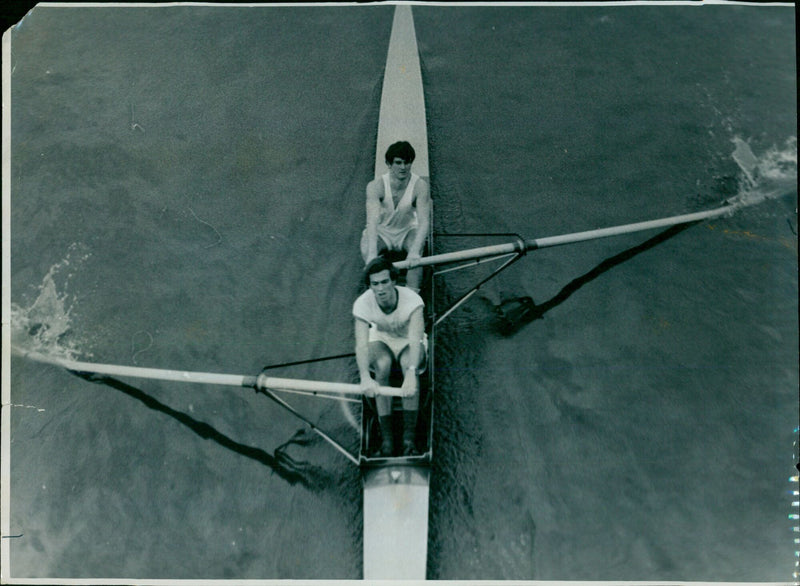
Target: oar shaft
column 209, row 378
column 533, row 244
column 626, row 228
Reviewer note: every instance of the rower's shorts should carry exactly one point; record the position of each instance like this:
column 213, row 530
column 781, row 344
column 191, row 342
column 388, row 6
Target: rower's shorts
column 397, row 345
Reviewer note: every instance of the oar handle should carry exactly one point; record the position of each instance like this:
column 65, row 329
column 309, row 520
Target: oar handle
column 312, row 386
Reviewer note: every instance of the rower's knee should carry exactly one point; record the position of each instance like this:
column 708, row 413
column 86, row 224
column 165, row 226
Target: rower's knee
column 382, row 366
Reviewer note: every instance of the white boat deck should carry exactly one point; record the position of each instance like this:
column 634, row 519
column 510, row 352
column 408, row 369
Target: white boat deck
column 396, row 496
column 402, row 113
column 396, row 536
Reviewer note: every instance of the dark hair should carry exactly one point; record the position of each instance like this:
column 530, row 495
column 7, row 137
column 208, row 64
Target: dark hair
column 378, row 264
column 401, row 149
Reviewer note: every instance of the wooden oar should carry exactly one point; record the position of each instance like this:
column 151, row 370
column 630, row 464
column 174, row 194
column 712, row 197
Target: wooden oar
column 261, row 381
column 525, row 245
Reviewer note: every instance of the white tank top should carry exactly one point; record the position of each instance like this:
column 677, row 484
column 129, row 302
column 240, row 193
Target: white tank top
column 402, row 217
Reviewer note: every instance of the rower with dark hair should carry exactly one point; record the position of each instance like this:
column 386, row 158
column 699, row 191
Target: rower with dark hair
column 390, row 332
column 398, row 211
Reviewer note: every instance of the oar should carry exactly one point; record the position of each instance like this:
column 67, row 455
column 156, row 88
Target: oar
column 525, row 245
column 261, row 381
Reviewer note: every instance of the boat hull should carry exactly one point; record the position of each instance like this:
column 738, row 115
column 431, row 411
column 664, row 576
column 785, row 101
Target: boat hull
column 396, row 489
column 396, row 522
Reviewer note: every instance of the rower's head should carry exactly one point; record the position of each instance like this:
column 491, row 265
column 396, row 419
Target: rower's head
column 399, row 157
column 400, row 150
column 377, row 271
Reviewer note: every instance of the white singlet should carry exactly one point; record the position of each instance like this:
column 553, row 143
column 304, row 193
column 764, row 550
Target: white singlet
column 389, row 328
column 395, row 222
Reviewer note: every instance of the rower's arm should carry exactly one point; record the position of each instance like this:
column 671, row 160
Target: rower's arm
column 423, row 217
column 362, row 349
column 373, row 215
column 416, row 329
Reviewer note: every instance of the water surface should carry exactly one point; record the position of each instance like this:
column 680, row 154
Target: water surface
column 187, row 192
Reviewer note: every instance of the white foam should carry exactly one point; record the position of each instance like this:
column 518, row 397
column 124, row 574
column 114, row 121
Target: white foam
column 45, row 325
column 770, row 175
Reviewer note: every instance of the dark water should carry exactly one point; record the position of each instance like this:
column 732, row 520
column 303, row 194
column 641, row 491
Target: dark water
column 187, row 192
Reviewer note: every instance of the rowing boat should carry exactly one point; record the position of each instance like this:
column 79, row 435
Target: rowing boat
column 396, row 489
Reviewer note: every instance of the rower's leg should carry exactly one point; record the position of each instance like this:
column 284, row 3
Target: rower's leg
column 381, row 365
column 410, row 432
column 414, row 279
column 381, row 245
column 410, row 413
column 411, row 408
column 387, row 435
column 413, row 276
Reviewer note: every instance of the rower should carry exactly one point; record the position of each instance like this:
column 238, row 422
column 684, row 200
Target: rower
column 398, row 211
column 390, row 332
